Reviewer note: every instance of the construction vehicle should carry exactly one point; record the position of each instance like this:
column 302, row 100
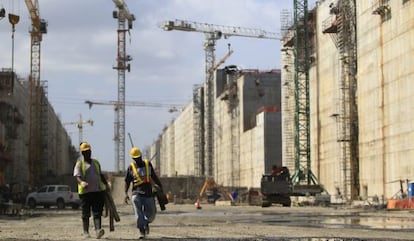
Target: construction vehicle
column 279, row 187
column 276, row 188
column 210, row 190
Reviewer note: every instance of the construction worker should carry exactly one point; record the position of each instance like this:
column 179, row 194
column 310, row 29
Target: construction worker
column 91, row 187
column 141, row 174
column 276, row 170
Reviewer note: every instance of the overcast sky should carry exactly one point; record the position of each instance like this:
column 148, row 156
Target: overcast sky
column 80, row 49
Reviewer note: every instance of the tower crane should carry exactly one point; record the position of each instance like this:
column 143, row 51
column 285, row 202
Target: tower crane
column 303, row 179
column 212, row 34
column 123, row 15
column 80, row 124
column 116, row 104
column 39, row 27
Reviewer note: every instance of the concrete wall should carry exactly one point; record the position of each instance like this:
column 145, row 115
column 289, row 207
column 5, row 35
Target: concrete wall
column 60, row 154
column 184, row 142
column 247, row 142
column 260, row 148
column 385, row 50
column 16, row 138
column 247, row 137
column 324, row 106
column 385, row 85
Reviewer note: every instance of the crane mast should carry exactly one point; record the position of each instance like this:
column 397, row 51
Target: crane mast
column 80, row 124
column 213, row 33
column 36, row 125
column 124, row 16
column 303, row 176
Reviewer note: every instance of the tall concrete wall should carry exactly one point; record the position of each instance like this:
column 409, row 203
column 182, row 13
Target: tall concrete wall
column 246, row 144
column 260, row 148
column 385, row 53
column 16, row 131
column 184, row 142
column 60, row 155
column 385, row 85
column 247, row 131
column 324, row 107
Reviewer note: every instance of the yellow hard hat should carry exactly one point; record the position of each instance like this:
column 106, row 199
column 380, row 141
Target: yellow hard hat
column 84, row 146
column 135, row 152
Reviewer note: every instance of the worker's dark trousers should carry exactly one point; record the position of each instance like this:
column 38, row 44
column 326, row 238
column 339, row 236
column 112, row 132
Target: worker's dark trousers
column 92, row 201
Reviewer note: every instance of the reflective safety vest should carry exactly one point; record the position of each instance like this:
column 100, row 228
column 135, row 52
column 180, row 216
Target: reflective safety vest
column 102, row 186
column 141, row 177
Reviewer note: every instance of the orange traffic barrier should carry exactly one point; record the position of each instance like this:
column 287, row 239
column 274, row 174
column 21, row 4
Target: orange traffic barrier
column 197, row 204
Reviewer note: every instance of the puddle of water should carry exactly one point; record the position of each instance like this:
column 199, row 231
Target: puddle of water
column 277, row 239
column 373, row 222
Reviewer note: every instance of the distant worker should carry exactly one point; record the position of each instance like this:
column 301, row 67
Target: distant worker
column 91, row 188
column 141, row 174
column 276, row 170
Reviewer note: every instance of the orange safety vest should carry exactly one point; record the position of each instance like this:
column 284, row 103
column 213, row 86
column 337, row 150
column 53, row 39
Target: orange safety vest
column 145, row 178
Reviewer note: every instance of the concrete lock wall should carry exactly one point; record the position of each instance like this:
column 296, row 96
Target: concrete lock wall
column 385, row 49
column 184, row 142
column 385, row 74
column 57, row 153
column 325, row 107
column 246, row 130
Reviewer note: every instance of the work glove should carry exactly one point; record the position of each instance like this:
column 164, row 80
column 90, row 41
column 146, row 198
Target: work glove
column 126, row 200
column 84, row 184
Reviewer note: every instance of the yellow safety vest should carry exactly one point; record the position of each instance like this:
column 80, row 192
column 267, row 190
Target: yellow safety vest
column 102, row 186
column 143, row 179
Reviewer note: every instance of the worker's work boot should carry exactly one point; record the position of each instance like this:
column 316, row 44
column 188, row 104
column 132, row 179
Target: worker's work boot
column 141, row 233
column 86, row 235
column 99, row 231
column 85, row 223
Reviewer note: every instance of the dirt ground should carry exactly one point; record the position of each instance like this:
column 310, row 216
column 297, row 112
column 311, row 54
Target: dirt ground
column 186, row 222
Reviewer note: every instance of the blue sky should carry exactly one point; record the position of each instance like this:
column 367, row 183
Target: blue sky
column 80, row 48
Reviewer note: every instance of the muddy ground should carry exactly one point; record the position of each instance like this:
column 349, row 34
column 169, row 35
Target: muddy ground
column 186, row 222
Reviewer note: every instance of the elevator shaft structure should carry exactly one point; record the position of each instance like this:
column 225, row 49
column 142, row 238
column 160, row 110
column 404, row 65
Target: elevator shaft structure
column 125, row 20
column 303, row 177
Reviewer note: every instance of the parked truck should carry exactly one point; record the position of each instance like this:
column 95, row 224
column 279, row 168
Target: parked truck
column 278, row 188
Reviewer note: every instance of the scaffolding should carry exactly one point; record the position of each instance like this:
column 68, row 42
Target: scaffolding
column 38, row 131
column 44, row 126
column 342, row 28
column 233, row 110
column 288, row 101
column 198, row 116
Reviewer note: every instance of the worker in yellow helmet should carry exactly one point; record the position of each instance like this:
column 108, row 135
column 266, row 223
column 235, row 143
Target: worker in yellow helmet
column 91, row 187
column 141, row 174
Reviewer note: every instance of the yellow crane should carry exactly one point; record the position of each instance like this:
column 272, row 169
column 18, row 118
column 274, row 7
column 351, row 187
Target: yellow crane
column 213, row 33
column 120, row 158
column 79, row 123
column 36, row 126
